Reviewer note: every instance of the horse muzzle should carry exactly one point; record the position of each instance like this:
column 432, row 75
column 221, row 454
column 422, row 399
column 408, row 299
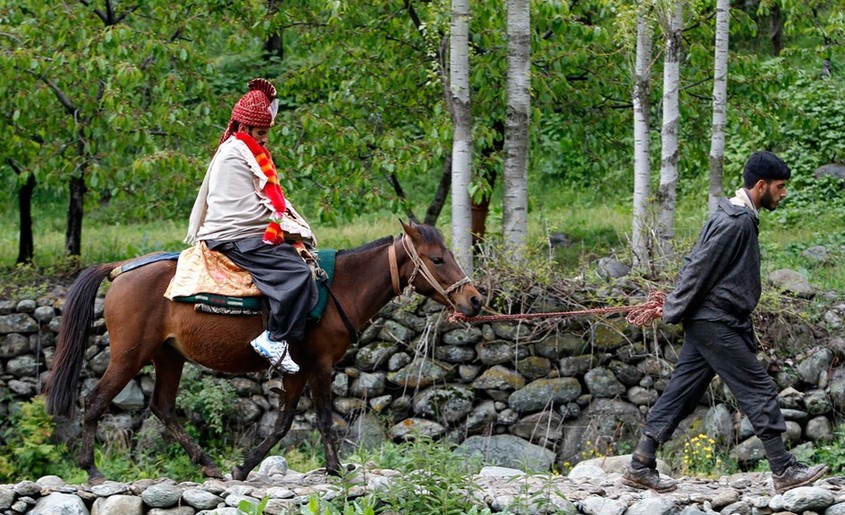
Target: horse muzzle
column 468, row 300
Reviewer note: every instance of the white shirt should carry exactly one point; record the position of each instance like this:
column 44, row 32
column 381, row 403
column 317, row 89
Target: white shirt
column 231, row 204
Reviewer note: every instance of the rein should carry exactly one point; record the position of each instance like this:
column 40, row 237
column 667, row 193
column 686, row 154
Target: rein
column 421, row 268
column 639, row 315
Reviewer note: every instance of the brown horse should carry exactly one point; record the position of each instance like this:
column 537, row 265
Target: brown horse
column 145, row 327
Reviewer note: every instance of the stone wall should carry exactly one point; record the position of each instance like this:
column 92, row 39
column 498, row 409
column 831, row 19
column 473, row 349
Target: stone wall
column 546, row 393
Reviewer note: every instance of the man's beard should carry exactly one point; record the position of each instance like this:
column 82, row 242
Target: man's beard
column 768, row 201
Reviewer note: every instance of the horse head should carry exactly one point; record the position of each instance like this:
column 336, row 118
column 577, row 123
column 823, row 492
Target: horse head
column 436, row 273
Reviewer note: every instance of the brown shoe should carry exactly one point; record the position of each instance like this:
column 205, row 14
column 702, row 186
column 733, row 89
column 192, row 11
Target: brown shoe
column 797, row 474
column 648, row 478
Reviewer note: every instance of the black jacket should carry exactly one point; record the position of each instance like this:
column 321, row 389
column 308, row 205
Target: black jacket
column 720, row 279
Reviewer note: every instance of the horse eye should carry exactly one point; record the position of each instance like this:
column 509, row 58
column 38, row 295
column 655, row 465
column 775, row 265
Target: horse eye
column 437, row 260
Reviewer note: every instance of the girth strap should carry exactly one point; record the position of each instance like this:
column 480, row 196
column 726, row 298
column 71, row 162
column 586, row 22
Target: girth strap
column 353, row 333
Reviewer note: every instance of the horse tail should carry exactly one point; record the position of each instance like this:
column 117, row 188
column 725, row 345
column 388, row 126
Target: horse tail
column 77, row 316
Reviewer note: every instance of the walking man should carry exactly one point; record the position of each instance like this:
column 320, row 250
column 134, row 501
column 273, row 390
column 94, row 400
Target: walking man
column 717, row 289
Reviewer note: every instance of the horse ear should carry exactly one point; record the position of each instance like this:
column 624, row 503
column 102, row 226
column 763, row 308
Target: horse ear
column 410, row 229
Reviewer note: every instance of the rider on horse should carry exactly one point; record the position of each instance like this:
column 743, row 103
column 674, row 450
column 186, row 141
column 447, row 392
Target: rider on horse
column 242, row 212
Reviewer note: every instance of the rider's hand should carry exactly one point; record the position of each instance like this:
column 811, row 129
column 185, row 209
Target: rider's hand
column 303, row 251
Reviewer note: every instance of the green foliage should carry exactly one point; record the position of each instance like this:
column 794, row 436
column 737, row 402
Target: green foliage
column 207, row 401
column 364, row 103
column 28, row 451
column 318, row 506
column 433, row 481
column 249, row 508
column 116, row 97
column 833, row 453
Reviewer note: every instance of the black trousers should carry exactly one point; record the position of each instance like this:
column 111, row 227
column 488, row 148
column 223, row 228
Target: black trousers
column 717, row 348
column 282, row 276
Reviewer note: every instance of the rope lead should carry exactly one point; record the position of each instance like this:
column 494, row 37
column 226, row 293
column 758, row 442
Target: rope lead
column 639, row 315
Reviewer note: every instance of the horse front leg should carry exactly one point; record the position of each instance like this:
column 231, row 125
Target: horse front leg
column 294, row 384
column 321, row 394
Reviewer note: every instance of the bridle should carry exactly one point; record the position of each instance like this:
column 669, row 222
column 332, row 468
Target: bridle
column 421, row 268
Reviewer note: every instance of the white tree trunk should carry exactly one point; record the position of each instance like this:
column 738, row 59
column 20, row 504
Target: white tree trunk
column 669, row 150
column 462, row 134
column 515, row 209
column 720, row 102
column 640, row 240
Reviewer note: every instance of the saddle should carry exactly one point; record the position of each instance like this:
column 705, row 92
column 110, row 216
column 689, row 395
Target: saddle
column 214, row 284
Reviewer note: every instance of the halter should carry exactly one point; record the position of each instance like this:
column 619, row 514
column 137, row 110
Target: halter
column 420, row 267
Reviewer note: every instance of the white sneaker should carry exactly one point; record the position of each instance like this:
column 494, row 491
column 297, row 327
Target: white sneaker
column 275, row 352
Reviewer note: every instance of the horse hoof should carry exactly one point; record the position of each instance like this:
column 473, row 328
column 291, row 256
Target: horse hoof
column 238, row 473
column 96, row 479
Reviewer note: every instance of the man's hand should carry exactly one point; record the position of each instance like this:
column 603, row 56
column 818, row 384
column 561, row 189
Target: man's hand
column 303, row 251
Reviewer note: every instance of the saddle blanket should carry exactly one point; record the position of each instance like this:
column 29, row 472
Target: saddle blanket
column 200, row 270
column 212, row 282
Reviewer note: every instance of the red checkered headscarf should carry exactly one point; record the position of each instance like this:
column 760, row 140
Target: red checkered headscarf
column 256, row 109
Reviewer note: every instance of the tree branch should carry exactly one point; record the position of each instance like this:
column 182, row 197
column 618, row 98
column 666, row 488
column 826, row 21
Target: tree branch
column 98, row 12
column 397, row 188
column 127, row 13
column 70, row 107
column 413, row 14
column 109, row 13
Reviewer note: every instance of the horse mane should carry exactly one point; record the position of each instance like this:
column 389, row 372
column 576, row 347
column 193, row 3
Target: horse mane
column 367, row 246
column 428, row 233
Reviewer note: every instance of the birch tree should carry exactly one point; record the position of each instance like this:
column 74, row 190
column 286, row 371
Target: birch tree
column 515, row 209
column 461, row 135
column 673, row 22
column 640, row 240
column 720, row 100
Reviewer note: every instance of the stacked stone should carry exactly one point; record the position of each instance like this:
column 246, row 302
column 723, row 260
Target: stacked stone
column 542, row 392
column 285, row 490
column 592, row 488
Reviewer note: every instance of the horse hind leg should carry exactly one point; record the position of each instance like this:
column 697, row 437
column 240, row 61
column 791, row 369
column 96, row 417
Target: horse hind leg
column 95, row 406
column 294, row 384
column 115, row 378
column 168, row 366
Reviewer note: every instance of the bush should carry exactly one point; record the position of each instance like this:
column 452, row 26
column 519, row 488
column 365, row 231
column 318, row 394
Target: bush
column 28, row 452
column 207, row 401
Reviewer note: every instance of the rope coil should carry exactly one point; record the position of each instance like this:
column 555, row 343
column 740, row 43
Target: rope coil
column 639, row 315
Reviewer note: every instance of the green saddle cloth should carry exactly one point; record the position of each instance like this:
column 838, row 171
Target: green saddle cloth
column 248, row 305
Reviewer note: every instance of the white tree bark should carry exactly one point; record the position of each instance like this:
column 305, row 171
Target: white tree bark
column 720, row 102
column 462, row 134
column 515, row 209
column 674, row 24
column 640, row 240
